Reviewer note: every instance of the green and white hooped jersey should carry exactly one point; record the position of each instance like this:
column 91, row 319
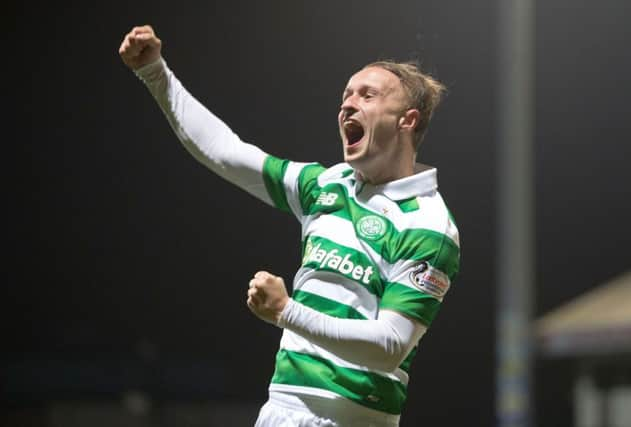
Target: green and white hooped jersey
column 364, row 248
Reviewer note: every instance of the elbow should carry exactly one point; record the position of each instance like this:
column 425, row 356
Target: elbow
column 396, row 343
column 390, row 355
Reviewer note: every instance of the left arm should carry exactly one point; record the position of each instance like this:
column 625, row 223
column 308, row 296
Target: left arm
column 380, row 344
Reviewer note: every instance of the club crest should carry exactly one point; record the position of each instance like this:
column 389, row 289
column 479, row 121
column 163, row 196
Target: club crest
column 371, row 227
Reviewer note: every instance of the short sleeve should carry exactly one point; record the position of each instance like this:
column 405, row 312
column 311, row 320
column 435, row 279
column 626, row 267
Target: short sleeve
column 289, row 184
column 418, row 283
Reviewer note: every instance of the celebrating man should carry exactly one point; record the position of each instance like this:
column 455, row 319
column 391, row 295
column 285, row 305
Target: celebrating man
column 379, row 246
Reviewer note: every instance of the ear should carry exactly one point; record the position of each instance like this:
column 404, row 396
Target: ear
column 410, row 119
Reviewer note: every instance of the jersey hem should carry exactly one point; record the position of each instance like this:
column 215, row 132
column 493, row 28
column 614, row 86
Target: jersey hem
column 327, row 404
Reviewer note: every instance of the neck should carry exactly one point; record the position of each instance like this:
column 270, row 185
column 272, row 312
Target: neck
column 384, row 176
column 390, row 165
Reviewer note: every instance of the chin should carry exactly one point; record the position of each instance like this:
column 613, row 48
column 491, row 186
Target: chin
column 357, row 160
column 352, row 159
column 355, row 152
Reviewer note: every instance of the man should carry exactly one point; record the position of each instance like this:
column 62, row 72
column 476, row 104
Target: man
column 379, row 245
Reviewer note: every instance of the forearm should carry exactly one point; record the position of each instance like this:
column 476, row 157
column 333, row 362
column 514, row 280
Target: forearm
column 202, row 133
column 379, row 344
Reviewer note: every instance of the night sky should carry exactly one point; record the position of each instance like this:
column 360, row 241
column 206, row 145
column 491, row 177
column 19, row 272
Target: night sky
column 123, row 250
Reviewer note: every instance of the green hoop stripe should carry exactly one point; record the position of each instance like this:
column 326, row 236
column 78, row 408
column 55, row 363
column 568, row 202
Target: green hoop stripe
column 365, row 388
column 407, row 362
column 408, row 205
column 273, row 173
column 308, row 184
column 326, row 306
column 410, row 302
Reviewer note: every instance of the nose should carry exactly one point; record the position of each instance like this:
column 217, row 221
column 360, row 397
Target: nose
column 348, row 107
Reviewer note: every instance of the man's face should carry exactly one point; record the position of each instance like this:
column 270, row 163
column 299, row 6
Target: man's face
column 372, row 105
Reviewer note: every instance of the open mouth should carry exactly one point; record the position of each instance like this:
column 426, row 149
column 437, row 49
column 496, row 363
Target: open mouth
column 353, row 131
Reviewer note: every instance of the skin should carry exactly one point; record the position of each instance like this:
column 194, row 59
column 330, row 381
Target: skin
column 140, row 47
column 267, row 296
column 373, row 99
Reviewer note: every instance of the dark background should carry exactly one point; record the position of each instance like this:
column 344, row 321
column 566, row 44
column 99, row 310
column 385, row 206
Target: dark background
column 127, row 262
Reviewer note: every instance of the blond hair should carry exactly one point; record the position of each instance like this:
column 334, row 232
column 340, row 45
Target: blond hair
column 424, row 92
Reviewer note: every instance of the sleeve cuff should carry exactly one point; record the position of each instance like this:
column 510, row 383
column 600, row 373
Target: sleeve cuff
column 151, row 72
column 285, row 315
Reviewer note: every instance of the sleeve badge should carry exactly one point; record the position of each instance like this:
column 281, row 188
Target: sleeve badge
column 430, row 280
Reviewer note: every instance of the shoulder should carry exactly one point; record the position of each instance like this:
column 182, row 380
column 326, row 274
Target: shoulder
column 427, row 232
column 314, row 176
column 426, row 213
column 436, row 216
column 335, row 173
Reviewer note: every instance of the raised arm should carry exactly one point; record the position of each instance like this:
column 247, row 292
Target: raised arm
column 203, row 134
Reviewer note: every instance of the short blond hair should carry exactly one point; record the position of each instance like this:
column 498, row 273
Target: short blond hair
column 424, row 92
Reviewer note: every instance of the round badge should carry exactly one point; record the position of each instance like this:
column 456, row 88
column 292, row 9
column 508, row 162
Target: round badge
column 416, row 275
column 371, row 227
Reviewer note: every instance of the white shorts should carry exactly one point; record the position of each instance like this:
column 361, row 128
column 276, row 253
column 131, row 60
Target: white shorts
column 286, row 410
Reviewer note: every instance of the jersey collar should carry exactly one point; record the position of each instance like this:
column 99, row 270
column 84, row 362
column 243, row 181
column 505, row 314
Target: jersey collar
column 424, row 181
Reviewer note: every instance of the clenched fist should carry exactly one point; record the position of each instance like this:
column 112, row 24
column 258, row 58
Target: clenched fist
column 267, row 296
column 140, row 47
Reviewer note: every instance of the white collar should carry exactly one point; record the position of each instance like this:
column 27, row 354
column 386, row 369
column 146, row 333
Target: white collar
column 423, row 181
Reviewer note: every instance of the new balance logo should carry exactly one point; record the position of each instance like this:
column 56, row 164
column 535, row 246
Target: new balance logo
column 326, row 199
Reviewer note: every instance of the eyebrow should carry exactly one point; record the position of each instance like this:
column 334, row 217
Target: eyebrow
column 364, row 88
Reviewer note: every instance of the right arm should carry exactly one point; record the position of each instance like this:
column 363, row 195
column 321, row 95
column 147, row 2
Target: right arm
column 203, row 134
